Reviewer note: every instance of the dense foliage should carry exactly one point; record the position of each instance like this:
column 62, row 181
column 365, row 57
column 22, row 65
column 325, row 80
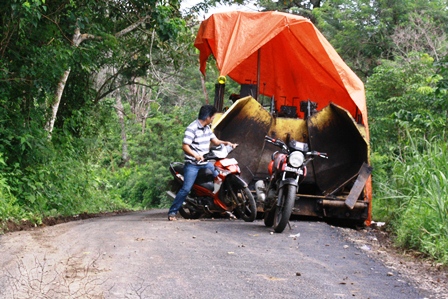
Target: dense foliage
column 102, row 47
column 408, row 116
column 133, row 85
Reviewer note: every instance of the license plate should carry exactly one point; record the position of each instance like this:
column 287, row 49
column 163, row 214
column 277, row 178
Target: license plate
column 292, row 169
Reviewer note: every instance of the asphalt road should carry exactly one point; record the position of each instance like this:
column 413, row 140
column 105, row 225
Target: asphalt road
column 142, row 255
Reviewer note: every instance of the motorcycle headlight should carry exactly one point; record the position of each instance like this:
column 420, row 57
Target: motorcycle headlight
column 296, row 159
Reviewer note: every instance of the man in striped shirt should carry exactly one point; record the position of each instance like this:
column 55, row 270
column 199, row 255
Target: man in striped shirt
column 196, row 144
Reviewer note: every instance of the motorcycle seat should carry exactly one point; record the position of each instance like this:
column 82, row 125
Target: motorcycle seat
column 205, row 175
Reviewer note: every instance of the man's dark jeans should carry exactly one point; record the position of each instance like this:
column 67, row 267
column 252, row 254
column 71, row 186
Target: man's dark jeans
column 190, row 174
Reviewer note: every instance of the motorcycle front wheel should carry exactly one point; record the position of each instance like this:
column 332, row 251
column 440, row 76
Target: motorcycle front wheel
column 247, row 208
column 284, row 209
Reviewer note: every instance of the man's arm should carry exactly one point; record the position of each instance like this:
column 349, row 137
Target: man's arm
column 187, row 149
column 216, row 141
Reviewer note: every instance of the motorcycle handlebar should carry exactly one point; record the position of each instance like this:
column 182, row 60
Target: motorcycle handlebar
column 220, row 154
column 316, row 153
column 280, row 143
column 274, row 141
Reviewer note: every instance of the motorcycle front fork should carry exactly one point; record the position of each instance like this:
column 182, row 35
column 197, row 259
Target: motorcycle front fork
column 272, row 198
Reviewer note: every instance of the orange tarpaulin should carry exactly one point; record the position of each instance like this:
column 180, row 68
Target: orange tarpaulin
column 292, row 59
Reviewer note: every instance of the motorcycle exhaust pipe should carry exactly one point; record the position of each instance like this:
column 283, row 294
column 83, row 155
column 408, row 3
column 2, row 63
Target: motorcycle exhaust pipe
column 171, row 194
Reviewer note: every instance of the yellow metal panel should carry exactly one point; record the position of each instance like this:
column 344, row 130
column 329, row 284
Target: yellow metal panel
column 289, row 128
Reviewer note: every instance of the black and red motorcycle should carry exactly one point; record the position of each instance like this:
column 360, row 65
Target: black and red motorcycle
column 227, row 195
column 287, row 170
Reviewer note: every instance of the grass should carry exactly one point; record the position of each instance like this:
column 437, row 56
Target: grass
column 412, row 196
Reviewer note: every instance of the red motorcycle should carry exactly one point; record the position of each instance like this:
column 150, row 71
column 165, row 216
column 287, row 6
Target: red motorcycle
column 227, row 195
column 287, row 169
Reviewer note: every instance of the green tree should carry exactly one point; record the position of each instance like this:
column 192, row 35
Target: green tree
column 362, row 30
column 45, row 43
column 402, row 96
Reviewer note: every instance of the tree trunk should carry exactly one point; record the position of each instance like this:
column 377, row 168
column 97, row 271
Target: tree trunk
column 77, row 39
column 204, row 89
column 124, row 144
column 55, row 106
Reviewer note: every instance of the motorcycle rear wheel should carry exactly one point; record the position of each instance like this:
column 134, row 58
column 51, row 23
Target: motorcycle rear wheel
column 269, row 217
column 247, row 207
column 189, row 212
column 284, row 210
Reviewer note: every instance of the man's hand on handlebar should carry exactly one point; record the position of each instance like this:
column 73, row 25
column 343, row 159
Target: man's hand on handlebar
column 228, row 143
column 199, row 158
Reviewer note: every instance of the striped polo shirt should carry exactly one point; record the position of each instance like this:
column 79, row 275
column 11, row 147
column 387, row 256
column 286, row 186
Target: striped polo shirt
column 198, row 138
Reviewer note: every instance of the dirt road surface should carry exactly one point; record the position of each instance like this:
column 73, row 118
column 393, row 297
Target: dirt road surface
column 142, row 255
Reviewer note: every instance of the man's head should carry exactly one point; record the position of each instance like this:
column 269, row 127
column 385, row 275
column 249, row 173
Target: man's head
column 207, row 111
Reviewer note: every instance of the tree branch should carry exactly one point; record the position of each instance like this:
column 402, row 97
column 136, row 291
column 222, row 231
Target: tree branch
column 131, row 27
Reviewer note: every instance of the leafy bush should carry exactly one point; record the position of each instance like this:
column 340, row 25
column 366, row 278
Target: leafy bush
column 408, row 121
column 403, row 96
column 144, row 181
column 58, row 176
column 8, row 203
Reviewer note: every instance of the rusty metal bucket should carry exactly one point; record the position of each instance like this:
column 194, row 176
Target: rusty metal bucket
column 334, row 187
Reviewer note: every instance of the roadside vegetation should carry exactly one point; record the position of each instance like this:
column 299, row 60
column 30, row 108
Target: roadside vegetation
column 90, row 122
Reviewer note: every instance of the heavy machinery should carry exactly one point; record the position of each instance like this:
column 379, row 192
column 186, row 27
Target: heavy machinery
column 335, row 187
column 312, row 97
